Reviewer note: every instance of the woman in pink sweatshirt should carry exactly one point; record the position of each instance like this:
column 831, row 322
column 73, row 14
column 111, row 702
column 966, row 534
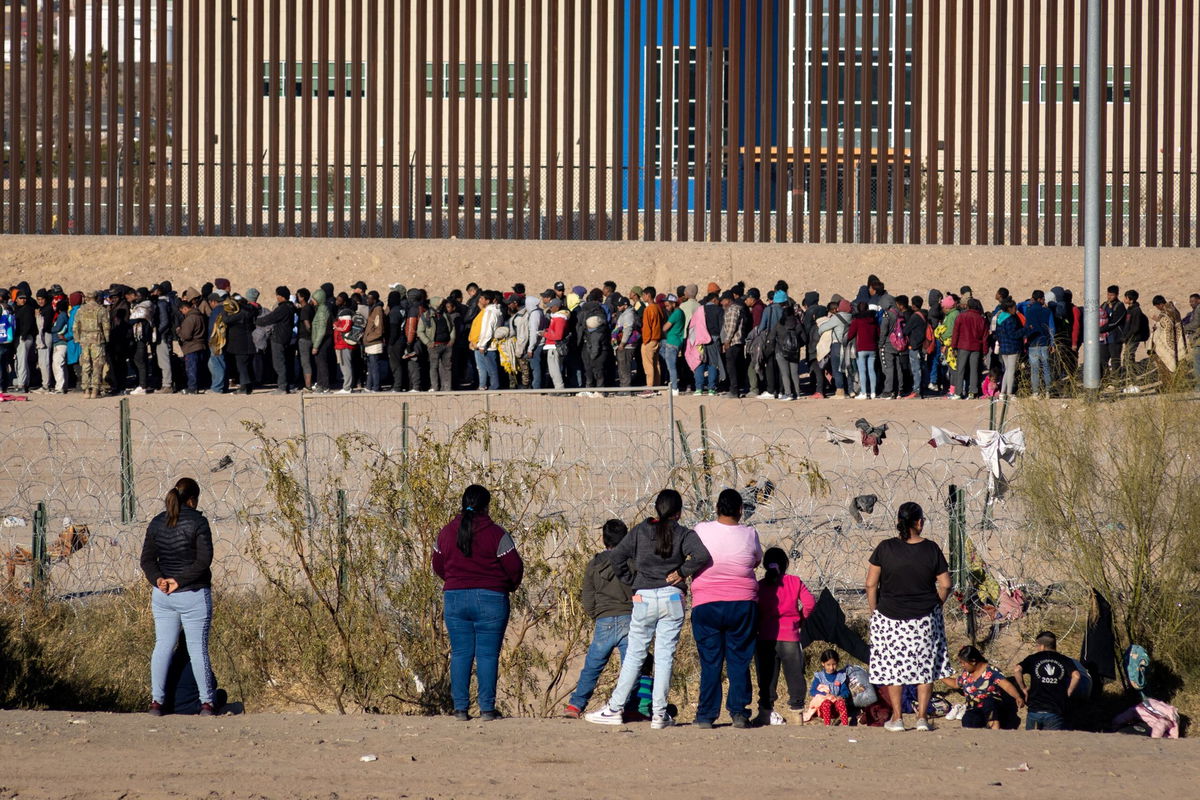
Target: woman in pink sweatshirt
column 784, row 602
column 725, row 611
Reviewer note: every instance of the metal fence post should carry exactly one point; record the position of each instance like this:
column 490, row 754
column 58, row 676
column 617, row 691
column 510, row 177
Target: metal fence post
column 671, row 425
column 404, row 434
column 343, row 543
column 706, row 456
column 38, row 546
column 128, row 498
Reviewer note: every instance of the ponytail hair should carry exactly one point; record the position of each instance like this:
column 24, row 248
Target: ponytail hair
column 668, row 506
column 907, row 518
column 184, row 492
column 475, row 501
column 775, row 561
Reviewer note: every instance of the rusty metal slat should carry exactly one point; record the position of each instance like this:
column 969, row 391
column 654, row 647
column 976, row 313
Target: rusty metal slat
column 210, row 113
column 1054, row 85
column 896, row 169
column 699, row 142
column 1137, row 98
column 948, row 120
column 6, row 162
column 307, row 88
column 509, row 76
column 884, row 82
column 79, row 88
column 748, row 120
column 275, row 80
column 846, row 166
column 1186, row 120
column 753, row 231
column 914, row 158
column 1016, row 121
column 799, row 106
column 733, row 160
column 178, row 88
column 553, row 93
column 1106, row 107
column 387, row 166
column 31, row 119
column 783, row 63
column 162, row 118
column 667, row 100
column 683, row 92
column 128, row 116
column 519, row 124
column 620, row 155
column 17, row 152
column 864, row 126
column 292, row 72
column 764, row 123
column 590, row 83
column 358, row 79
column 420, row 154
column 226, row 199
column 260, row 80
column 65, row 146
column 1154, row 36
column 440, row 92
column 569, row 132
column 145, row 96
column 934, row 70
column 986, row 107
column 603, row 100
column 111, row 84
column 457, row 96
column 370, row 70
column 476, row 105
column 814, row 142
column 537, row 110
column 46, row 170
column 718, row 121
column 338, row 201
column 1033, row 123
column 832, row 67
column 965, row 166
column 1069, row 106
column 493, row 71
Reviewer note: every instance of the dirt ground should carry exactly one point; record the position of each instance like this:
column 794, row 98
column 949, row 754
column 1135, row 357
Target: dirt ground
column 63, row 755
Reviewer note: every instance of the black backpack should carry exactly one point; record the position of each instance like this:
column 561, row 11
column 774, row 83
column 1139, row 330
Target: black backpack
column 787, row 340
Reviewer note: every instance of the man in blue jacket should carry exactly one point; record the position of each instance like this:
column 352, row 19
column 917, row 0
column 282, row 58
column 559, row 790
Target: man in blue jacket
column 1039, row 334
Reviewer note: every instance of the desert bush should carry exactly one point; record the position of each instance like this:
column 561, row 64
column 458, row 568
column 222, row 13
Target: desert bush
column 1113, row 497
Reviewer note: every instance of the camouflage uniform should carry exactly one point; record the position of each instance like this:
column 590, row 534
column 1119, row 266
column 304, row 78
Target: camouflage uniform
column 91, row 331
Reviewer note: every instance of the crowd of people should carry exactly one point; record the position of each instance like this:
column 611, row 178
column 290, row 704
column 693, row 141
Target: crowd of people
column 737, row 340
column 636, row 592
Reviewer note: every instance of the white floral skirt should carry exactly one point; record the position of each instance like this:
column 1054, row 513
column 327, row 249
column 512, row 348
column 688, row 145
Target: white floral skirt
column 909, row 651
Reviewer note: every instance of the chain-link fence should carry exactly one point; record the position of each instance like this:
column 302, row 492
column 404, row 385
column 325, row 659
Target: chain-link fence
column 612, row 456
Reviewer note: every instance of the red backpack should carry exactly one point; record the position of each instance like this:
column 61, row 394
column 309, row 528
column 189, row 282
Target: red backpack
column 927, row 345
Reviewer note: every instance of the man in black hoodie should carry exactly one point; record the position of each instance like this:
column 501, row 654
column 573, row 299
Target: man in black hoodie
column 281, row 321
column 25, row 333
column 1134, row 332
column 1110, row 352
column 812, row 312
column 45, row 312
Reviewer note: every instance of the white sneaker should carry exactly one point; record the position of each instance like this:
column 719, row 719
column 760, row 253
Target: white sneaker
column 343, row 391
column 674, row 392
column 923, row 725
column 896, row 726
column 766, row 396
column 777, row 718
column 660, row 722
column 860, row 397
column 874, row 397
column 957, row 711
column 605, row 716
column 137, row 390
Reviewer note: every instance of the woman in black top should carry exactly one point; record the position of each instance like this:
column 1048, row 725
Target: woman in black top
column 908, row 580
column 176, row 559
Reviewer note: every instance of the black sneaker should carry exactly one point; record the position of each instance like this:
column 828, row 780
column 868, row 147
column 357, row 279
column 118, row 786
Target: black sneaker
column 490, row 716
column 206, row 710
column 741, row 721
column 462, row 716
column 155, row 710
column 703, row 724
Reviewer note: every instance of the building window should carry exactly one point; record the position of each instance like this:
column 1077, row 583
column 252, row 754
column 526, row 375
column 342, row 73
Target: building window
column 1075, row 205
column 1060, row 90
column 493, row 88
column 476, row 198
column 311, row 185
column 295, row 78
column 657, row 92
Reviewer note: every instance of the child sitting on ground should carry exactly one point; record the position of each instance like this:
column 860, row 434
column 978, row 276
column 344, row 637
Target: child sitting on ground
column 831, row 689
column 608, row 601
column 991, row 383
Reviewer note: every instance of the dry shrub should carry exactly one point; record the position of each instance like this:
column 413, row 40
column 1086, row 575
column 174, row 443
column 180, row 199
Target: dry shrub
column 1113, row 495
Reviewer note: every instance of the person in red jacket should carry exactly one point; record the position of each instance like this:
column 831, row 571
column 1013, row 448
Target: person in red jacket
column 970, row 340
column 480, row 566
column 864, row 333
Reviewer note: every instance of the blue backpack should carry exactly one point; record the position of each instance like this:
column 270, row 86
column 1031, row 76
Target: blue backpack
column 1137, row 660
column 7, row 323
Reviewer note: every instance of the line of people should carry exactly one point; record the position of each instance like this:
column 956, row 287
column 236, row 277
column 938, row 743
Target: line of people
column 739, row 341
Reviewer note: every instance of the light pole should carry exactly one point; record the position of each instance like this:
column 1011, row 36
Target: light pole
column 1091, row 206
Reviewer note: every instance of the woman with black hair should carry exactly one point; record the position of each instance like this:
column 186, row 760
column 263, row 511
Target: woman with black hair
column 784, row 602
column 992, row 700
column 479, row 565
column 664, row 554
column 176, row 559
column 725, row 611
column 908, row 580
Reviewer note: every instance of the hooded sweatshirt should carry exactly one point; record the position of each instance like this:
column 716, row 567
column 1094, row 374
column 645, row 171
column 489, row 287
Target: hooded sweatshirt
column 322, row 322
column 604, row 594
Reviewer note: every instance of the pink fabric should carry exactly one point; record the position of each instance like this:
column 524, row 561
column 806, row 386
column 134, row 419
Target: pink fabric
column 782, row 609
column 698, row 335
column 1161, row 718
column 729, row 576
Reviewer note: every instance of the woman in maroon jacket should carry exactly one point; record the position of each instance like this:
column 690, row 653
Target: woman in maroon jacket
column 970, row 340
column 479, row 565
column 864, row 333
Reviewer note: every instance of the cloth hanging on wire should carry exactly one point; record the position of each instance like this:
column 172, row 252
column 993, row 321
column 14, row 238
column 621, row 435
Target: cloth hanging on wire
column 872, row 435
column 940, row 437
column 827, row 623
column 997, row 447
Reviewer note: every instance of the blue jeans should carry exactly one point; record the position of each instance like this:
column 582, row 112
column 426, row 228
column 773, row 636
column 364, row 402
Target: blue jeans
column 670, row 354
column 488, row 365
column 191, row 611
column 702, row 371
column 537, row 364
column 475, row 620
column 216, row 367
column 1043, row 721
column 835, row 366
column 657, row 615
column 376, row 364
column 914, row 366
column 726, row 633
column 1039, row 366
column 191, row 363
column 935, row 362
column 610, row 633
column 866, row 373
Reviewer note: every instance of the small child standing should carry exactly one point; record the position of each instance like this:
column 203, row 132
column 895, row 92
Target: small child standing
column 609, row 601
column 784, row 602
column 834, row 686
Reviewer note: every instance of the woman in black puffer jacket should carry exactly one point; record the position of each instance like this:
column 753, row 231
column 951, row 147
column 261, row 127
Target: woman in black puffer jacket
column 177, row 558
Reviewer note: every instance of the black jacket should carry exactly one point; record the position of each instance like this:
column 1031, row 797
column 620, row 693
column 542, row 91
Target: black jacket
column 914, row 329
column 25, row 320
column 604, row 594
column 238, row 340
column 1136, row 327
column 281, row 321
column 636, row 554
column 1116, row 318
column 184, row 552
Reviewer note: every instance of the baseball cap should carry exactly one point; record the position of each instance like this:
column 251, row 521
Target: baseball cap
column 672, row 298
column 560, row 287
column 360, row 285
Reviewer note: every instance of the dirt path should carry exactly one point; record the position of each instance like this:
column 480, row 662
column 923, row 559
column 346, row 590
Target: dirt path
column 63, row 755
